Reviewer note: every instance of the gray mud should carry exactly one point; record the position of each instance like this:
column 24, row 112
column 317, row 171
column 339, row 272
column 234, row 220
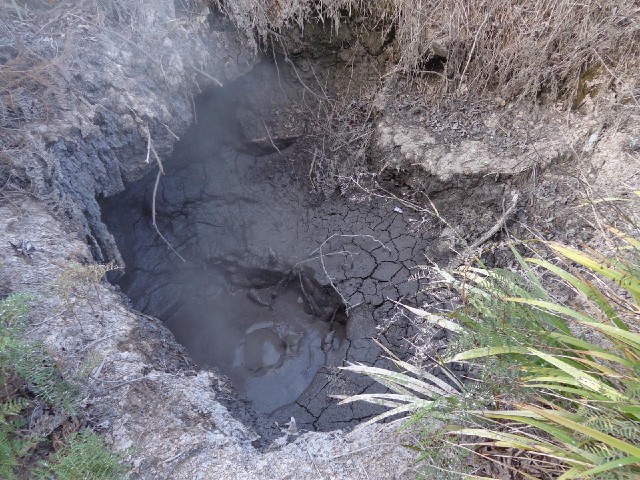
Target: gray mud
column 270, row 352
column 280, row 285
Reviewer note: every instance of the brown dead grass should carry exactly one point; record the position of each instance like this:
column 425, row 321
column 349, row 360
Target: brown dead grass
column 32, row 89
column 513, row 48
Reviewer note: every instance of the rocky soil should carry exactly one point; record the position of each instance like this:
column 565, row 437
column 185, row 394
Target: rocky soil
column 444, row 177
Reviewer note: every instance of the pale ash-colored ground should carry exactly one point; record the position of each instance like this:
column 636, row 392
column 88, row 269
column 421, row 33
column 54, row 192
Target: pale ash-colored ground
column 470, row 161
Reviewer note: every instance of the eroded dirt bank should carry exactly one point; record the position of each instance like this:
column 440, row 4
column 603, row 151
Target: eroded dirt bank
column 119, row 87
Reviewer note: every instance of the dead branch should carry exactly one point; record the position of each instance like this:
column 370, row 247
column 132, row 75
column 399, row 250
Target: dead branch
column 499, row 224
column 270, row 138
column 180, row 458
column 214, row 79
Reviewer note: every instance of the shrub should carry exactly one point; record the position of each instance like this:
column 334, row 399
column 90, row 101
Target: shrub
column 576, row 411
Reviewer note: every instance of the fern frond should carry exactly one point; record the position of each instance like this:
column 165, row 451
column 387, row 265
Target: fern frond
column 35, row 366
column 12, row 406
column 13, row 445
column 624, row 429
column 86, row 456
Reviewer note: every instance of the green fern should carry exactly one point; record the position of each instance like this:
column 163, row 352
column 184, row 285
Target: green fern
column 85, row 457
column 28, row 370
column 625, row 429
column 11, row 407
column 27, row 364
column 13, row 445
column 12, row 315
column 38, row 370
column 29, row 360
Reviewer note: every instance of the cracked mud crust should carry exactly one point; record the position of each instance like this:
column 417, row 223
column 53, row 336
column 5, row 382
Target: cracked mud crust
column 140, row 388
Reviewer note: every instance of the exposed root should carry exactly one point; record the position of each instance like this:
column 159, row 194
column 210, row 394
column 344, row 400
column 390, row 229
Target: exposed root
column 151, row 148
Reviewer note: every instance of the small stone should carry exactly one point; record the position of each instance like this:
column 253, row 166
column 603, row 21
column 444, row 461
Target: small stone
column 592, row 141
column 25, row 247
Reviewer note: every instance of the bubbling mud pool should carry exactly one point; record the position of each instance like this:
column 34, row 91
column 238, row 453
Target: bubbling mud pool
column 279, row 285
column 270, row 346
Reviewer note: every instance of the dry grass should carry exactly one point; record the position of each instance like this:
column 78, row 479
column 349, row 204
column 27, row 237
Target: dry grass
column 339, row 132
column 516, row 48
column 32, row 88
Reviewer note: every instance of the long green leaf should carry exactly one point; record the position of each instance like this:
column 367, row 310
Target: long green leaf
column 605, row 467
column 577, row 470
column 598, row 369
column 631, row 409
column 597, row 201
column 627, row 281
column 438, row 320
column 408, row 408
column 630, row 338
column 579, row 392
column 422, row 374
column 523, row 417
column 503, row 439
column 533, row 278
column 386, row 400
column 554, row 307
column 616, row 443
column 585, row 379
column 396, row 378
column 589, row 348
column 556, row 377
column 585, row 288
column 610, row 357
column 392, row 385
column 627, row 238
column 486, row 352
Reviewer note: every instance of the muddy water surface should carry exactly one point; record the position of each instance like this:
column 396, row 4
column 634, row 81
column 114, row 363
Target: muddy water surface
column 270, row 353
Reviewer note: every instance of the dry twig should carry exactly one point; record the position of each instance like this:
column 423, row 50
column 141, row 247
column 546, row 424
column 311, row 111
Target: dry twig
column 155, row 191
column 499, row 224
